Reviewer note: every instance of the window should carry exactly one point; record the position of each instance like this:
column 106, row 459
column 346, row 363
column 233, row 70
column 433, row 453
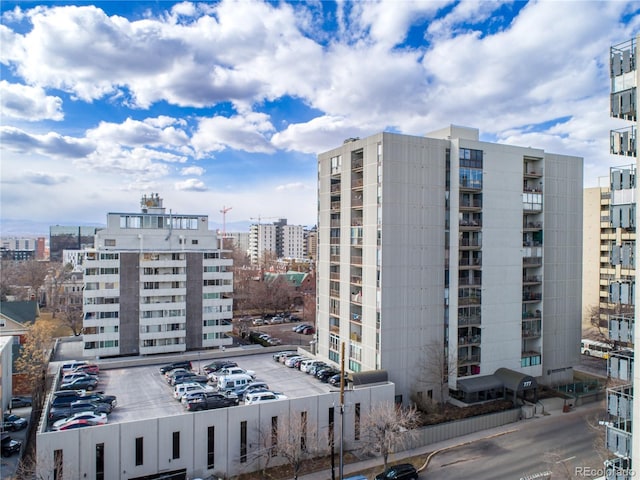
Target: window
column 211, row 444
column 109, row 242
column 139, row 451
column 194, row 242
column 331, row 426
column 100, row 461
column 303, row 431
column 176, row 445
column 58, row 473
column 243, row 442
column 274, row 436
column 356, row 423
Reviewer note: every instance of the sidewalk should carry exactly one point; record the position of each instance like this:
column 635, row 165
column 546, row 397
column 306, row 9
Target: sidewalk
column 376, row 462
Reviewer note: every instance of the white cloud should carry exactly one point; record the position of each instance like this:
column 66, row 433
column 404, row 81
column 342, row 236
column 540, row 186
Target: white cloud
column 191, row 184
column 49, row 144
column 151, row 132
column 192, row 171
column 241, row 132
column 292, row 186
column 29, row 103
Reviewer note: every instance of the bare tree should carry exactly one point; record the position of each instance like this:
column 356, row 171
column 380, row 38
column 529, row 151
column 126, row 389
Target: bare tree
column 435, row 364
column 280, row 294
column 296, row 441
column 387, row 427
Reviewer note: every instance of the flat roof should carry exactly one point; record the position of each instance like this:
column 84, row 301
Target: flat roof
column 142, row 391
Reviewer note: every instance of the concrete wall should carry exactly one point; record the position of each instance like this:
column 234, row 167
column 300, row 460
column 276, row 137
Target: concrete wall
column 79, row 446
column 590, row 252
column 6, row 370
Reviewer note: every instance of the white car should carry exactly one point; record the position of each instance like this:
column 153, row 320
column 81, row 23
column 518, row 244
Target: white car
column 184, row 388
column 307, row 364
column 277, row 320
column 291, row 360
column 260, row 397
column 230, row 371
column 94, row 418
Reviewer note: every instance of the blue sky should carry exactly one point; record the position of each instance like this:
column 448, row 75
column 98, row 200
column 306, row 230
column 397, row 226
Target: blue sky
column 228, row 103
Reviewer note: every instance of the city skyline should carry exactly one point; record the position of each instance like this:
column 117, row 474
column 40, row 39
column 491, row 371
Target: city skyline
column 228, row 104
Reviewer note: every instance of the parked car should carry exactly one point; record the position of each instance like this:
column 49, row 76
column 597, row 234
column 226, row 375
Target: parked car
column 76, row 424
column 293, row 318
column 260, row 397
column 251, row 388
column 308, row 330
column 403, row 471
column 209, row 400
column 299, row 327
column 326, row 374
column 306, row 365
column 225, row 372
column 189, row 378
column 69, row 377
column 80, row 384
column 91, row 417
column 19, row 401
column 91, row 368
column 274, row 341
column 72, row 365
column 258, row 322
column 186, row 364
column 335, row 380
column 276, row 356
column 175, row 372
column 218, row 365
column 180, row 390
column 58, row 413
column 290, row 361
column 316, row 367
column 9, row 446
column 277, row 320
column 12, row 422
column 283, row 358
column 99, row 398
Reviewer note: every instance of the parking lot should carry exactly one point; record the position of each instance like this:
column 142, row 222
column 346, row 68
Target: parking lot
column 142, row 392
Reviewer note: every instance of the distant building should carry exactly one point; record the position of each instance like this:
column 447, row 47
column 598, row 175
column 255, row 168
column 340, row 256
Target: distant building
column 277, row 239
column 311, row 243
column 23, row 248
column 69, row 238
column 156, row 282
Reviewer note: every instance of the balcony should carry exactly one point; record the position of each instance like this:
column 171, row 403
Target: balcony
column 470, row 224
column 334, row 293
column 335, row 206
column 335, row 188
column 620, row 364
column 356, row 201
column 475, row 263
column 334, row 275
column 469, row 282
column 623, row 142
column 621, row 328
column 356, row 259
column 531, row 328
column 334, row 258
column 357, row 164
column 531, row 297
column 530, row 262
column 334, row 240
column 532, row 172
column 530, row 358
column 356, row 297
column 532, row 280
column 470, row 243
column 469, row 340
column 618, row 438
column 469, row 320
column 468, row 359
column 356, row 279
column 357, row 183
column 470, row 205
column 532, row 226
column 474, row 300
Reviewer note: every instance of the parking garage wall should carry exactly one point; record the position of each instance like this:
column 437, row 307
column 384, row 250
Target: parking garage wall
column 118, row 441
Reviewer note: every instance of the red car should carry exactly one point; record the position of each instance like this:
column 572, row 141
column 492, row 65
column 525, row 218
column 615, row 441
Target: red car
column 308, row 331
column 90, row 368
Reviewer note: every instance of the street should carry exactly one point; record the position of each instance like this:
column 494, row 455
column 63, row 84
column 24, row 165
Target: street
column 560, row 444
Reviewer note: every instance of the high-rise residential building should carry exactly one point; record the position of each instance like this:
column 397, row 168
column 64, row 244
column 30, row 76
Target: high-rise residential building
column 69, row 238
column 277, row 239
column 262, row 241
column 447, row 256
column 311, row 240
column 292, row 245
column 156, row 282
column 621, row 265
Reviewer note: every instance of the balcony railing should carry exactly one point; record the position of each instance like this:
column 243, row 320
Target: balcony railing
column 357, row 183
column 335, row 205
column 470, row 262
column 356, row 201
column 465, row 282
column 334, row 275
column 334, row 240
column 469, row 340
column 356, row 164
column 335, row 187
column 356, row 259
column 469, row 320
column 356, row 280
column 531, row 296
column 334, row 293
column 467, row 359
column 469, row 300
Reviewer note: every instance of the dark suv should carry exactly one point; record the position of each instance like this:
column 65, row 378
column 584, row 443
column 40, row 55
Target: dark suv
column 208, row 400
column 9, row 446
column 186, row 364
column 403, row 471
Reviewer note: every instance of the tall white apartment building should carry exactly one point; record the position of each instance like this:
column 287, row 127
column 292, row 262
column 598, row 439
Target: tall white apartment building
column 262, row 240
column 292, row 242
column 156, row 282
column 446, row 256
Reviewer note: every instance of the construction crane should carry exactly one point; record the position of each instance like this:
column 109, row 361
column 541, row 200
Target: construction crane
column 224, row 211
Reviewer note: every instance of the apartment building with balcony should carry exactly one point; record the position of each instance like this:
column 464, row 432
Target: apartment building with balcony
column 620, row 271
column 156, row 282
column 447, row 254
